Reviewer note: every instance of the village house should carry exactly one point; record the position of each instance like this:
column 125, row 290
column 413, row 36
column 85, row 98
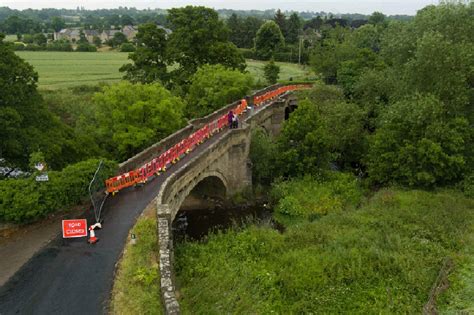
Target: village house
column 74, row 34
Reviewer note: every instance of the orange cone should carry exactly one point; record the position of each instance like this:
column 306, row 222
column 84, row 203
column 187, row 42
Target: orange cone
column 92, row 238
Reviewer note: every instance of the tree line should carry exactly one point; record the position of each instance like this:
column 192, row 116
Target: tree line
column 396, row 107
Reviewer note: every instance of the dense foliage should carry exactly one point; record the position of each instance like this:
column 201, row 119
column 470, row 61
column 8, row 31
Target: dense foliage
column 26, row 200
column 26, row 125
column 268, row 40
column 310, row 199
column 212, row 87
column 149, row 60
column 198, row 38
column 130, row 117
column 272, row 71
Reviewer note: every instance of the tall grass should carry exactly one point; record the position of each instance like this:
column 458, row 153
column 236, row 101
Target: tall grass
column 380, row 258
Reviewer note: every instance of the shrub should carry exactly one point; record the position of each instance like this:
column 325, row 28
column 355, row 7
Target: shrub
column 86, row 47
column 25, row 200
column 59, row 45
column 127, row 47
column 308, row 198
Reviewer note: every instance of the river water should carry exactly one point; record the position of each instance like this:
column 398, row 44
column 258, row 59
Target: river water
column 195, row 225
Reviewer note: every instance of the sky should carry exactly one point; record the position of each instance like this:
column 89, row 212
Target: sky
column 389, row 7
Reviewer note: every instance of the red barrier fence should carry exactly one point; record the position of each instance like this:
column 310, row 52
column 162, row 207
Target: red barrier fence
column 172, row 155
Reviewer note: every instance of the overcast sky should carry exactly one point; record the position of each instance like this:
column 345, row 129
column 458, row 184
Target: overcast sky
column 335, row 6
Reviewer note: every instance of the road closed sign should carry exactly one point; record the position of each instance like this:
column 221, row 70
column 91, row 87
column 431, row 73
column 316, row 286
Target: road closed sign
column 74, row 228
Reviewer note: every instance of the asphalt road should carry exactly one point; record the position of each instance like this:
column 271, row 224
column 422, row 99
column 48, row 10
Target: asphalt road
column 73, row 277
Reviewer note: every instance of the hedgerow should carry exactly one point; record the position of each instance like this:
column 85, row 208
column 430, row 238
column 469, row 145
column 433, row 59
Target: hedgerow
column 25, row 200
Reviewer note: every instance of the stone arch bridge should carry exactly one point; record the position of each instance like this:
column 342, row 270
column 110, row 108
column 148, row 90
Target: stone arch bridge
column 221, row 170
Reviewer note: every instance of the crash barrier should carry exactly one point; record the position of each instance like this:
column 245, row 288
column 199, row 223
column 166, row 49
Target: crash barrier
column 159, row 164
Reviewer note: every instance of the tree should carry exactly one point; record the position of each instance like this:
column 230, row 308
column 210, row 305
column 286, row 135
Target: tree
column 40, row 39
column 131, row 117
column 149, row 62
column 314, row 23
column 243, row 30
column 118, row 39
column 82, row 39
column 293, row 29
column 377, row 18
column 268, row 40
column 97, row 41
column 271, row 71
column 445, row 69
column 199, row 38
column 235, row 25
column 214, row 86
column 126, row 20
column 304, row 144
column 57, row 23
column 26, row 125
column 418, row 145
column 280, row 20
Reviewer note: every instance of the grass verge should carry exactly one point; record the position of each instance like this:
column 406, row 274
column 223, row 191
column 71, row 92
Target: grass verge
column 136, row 288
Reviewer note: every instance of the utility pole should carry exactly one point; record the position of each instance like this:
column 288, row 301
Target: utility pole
column 299, row 53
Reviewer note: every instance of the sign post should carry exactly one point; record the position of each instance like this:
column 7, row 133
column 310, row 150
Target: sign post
column 74, row 228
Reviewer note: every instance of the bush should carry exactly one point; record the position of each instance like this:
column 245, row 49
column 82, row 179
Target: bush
column 127, row 47
column 25, row 200
column 86, row 47
column 309, row 199
column 59, row 45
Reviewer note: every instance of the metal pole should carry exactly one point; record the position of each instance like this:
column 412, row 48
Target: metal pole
column 299, row 53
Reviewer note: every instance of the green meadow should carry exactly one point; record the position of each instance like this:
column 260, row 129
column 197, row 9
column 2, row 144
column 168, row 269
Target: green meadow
column 67, row 69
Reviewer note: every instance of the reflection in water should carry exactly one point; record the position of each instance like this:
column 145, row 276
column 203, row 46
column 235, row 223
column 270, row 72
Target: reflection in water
column 196, row 224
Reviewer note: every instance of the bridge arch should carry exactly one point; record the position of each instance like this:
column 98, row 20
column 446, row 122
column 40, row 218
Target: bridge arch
column 205, row 182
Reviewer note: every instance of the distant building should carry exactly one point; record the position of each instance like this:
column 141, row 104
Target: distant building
column 130, row 31
column 74, row 34
column 70, row 34
column 107, row 34
column 90, row 34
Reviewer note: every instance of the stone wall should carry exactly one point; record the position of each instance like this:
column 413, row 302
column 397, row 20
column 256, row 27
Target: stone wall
column 165, row 243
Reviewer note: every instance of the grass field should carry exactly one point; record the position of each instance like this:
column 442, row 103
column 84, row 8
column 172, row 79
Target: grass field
column 287, row 70
column 67, row 69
